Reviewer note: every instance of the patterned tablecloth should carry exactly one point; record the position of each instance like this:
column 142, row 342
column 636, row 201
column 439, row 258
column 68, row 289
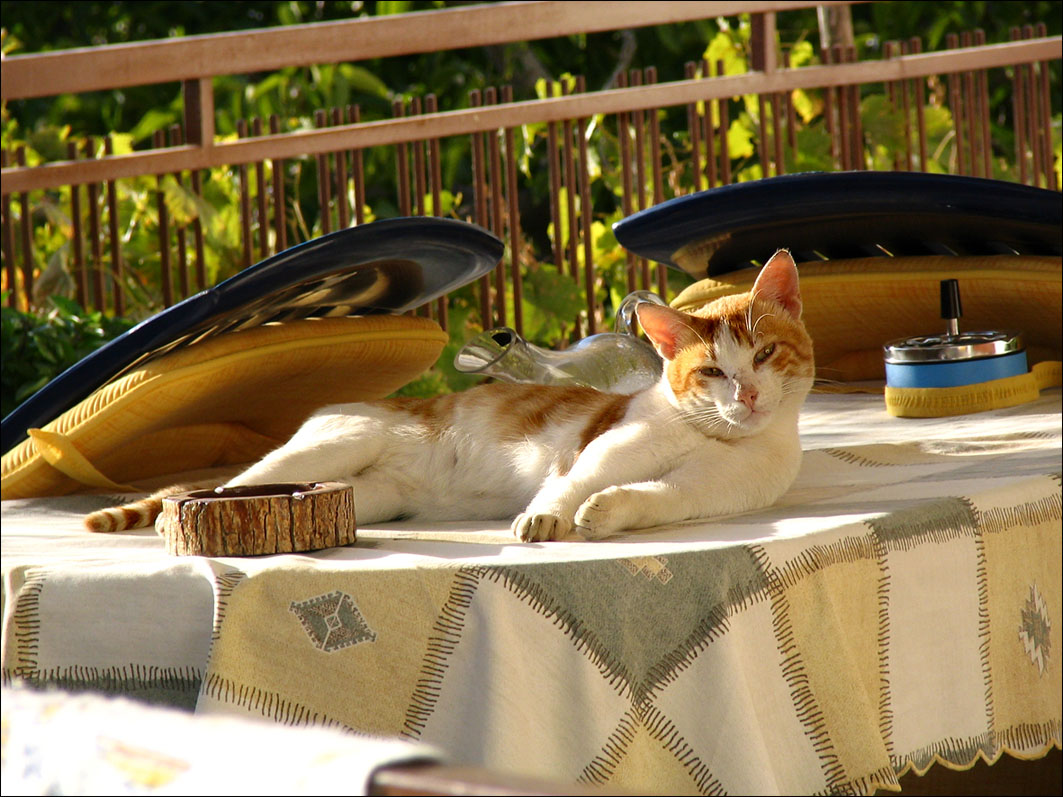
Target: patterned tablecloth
column 900, row 606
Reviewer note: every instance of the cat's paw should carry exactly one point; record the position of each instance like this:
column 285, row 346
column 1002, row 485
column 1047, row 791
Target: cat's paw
column 602, row 514
column 531, row 527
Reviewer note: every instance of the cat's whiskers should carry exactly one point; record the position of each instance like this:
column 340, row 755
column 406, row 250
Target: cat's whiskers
column 753, row 329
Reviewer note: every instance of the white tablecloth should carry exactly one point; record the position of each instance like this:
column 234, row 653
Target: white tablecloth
column 900, row 605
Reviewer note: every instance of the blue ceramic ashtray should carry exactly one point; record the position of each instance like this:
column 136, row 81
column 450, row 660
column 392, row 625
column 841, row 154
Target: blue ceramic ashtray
column 954, row 359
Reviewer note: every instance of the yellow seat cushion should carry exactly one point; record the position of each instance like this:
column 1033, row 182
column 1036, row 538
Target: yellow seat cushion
column 853, row 307
column 224, row 401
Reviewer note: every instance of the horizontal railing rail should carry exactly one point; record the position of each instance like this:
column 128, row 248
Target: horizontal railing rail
column 551, row 109
column 209, row 55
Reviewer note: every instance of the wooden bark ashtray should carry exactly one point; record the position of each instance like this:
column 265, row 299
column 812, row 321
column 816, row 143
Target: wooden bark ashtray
column 259, row 519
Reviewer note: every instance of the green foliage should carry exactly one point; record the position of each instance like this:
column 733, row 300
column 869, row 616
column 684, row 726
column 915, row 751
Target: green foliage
column 38, row 346
column 552, row 301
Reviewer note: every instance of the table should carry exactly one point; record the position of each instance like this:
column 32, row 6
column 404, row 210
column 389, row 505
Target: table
column 900, row 606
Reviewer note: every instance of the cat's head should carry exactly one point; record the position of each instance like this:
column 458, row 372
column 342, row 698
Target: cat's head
column 736, row 363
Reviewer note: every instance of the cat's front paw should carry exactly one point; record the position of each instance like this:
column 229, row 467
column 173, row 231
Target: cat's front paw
column 531, row 527
column 602, row 514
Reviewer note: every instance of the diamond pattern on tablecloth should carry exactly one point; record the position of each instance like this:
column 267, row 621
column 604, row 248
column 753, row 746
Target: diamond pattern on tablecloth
column 1020, row 529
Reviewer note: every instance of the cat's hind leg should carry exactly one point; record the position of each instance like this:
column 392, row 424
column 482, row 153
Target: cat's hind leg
column 335, row 444
column 378, row 498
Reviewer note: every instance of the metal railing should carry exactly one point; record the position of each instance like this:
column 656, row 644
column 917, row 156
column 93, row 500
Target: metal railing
column 628, row 114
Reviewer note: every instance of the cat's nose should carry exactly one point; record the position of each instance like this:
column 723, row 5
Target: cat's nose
column 747, row 396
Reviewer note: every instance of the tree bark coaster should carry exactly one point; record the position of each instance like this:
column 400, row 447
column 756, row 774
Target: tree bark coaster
column 259, row 519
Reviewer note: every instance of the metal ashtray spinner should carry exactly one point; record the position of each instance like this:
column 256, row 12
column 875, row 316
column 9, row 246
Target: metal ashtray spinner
column 954, row 358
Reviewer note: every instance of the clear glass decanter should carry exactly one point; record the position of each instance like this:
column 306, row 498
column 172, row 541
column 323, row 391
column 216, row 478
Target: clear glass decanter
column 613, row 362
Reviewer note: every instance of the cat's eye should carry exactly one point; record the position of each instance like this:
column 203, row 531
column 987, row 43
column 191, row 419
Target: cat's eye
column 710, row 370
column 764, row 353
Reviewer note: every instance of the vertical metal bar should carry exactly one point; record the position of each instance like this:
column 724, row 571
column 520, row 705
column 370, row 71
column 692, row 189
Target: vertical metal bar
column 694, row 126
column 355, row 113
column 480, row 207
column 494, row 180
column 828, row 115
column 1051, row 183
column 431, row 105
column 280, row 207
column 245, row 199
column 906, row 104
column 9, row 238
column 776, row 125
column 197, row 235
column 762, row 137
column 916, row 47
column 1033, row 116
column 114, row 238
column 554, row 168
column 725, row 124
column 760, row 51
column 970, row 103
column 402, row 164
column 95, row 236
column 655, row 144
column 419, row 181
column 843, row 115
column 262, row 198
column 179, row 231
column 1018, row 105
column 960, row 167
column 77, row 235
column 658, row 172
column 515, row 277
column 791, row 115
column 165, row 275
column 640, row 177
column 891, row 93
column 571, row 189
column 856, row 127
column 26, row 235
column 420, row 188
column 709, row 131
column 585, row 218
column 342, row 182
column 623, row 134
column 981, row 87
column 324, row 179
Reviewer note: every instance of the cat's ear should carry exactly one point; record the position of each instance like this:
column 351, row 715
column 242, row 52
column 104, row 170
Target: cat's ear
column 668, row 329
column 778, row 281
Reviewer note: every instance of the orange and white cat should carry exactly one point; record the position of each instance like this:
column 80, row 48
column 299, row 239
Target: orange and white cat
column 716, row 435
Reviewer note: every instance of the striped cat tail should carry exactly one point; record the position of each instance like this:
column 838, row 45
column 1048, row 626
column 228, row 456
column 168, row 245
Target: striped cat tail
column 137, row 514
column 128, row 516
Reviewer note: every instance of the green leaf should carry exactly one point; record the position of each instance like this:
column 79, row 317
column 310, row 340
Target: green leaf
column 153, row 120
column 739, row 139
column 364, row 81
column 387, row 7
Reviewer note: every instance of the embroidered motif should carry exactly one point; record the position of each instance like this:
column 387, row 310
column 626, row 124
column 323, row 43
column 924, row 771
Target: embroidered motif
column 649, row 566
column 333, row 622
column 1035, row 628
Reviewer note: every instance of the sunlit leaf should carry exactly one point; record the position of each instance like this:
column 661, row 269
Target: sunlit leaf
column 739, row 139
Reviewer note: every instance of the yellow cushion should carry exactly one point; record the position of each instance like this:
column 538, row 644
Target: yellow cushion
column 853, row 307
column 225, row 401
